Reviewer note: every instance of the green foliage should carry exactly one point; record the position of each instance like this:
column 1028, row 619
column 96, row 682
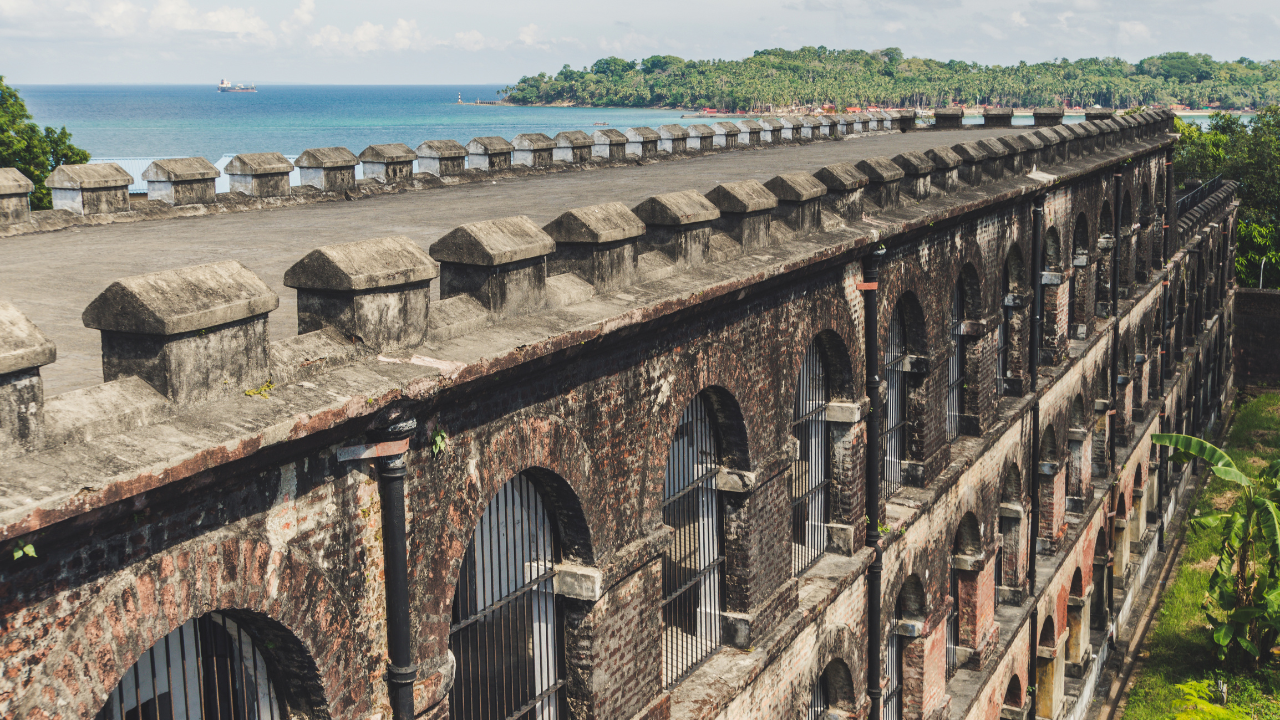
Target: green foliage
column 1242, row 603
column 814, row 75
column 1249, row 153
column 1200, row 702
column 439, row 441
column 34, row 152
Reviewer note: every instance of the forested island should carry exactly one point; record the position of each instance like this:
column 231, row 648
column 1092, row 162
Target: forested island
column 814, row 76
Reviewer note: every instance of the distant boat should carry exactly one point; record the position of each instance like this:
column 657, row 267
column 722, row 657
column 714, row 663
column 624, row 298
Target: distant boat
column 225, row 86
column 601, row 124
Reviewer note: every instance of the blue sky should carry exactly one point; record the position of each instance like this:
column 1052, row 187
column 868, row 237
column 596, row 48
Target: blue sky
column 497, row 41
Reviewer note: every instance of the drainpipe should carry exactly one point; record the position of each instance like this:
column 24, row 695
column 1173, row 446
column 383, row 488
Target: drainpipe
column 870, row 304
column 1170, row 209
column 1115, row 318
column 1037, row 288
column 401, row 672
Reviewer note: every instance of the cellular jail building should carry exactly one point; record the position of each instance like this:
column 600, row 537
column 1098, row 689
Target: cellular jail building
column 785, row 419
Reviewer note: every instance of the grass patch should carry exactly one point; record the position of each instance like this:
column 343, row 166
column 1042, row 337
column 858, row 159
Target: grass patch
column 1178, row 647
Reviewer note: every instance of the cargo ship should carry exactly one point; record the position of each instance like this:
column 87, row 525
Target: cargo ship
column 225, row 86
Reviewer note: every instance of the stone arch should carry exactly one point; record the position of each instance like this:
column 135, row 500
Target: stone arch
column 1126, row 210
column 1080, row 235
column 282, row 598
column 1053, row 259
column 1077, row 584
column 837, row 681
column 912, row 603
column 837, row 364
column 1013, row 692
column 1011, row 484
column 915, row 331
column 1012, row 341
column 1048, row 636
column 1049, row 444
column 1106, row 220
column 964, row 376
column 1077, row 418
column 967, row 537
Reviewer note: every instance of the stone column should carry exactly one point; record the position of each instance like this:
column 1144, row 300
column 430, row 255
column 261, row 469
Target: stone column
column 1047, row 116
column 331, row 169
column 372, row 292
column 90, row 189
column 948, row 118
column 745, row 212
column 726, row 134
column 23, row 351
column 997, row 117
column 15, row 192
column 799, row 200
column 192, row 334
column 598, row 244
column 501, row 264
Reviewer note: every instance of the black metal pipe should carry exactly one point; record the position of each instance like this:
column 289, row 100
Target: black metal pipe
column 870, row 306
column 1037, row 288
column 1115, row 322
column 1170, row 207
column 401, row 672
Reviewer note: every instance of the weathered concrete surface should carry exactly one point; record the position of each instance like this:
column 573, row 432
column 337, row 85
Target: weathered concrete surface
column 90, row 258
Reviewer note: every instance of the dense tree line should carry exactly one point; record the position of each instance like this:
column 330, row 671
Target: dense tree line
column 1247, row 151
column 33, row 151
column 812, row 76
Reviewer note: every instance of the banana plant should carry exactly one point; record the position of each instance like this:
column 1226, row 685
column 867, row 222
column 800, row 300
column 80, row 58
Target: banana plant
column 1243, row 602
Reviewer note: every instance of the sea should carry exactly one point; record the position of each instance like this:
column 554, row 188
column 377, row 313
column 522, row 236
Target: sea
column 148, row 121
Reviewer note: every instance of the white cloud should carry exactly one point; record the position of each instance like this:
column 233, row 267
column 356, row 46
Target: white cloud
column 1063, row 18
column 180, row 15
column 118, row 16
column 894, row 26
column 367, row 37
column 993, row 31
column 1132, row 31
column 1018, row 19
column 471, row 40
column 305, row 12
column 16, row 8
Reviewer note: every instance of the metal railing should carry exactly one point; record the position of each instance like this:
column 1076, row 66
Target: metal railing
column 692, row 564
column 893, row 689
column 953, row 627
column 810, row 475
column 893, row 436
column 505, row 635
column 817, row 701
column 206, row 668
column 1197, row 196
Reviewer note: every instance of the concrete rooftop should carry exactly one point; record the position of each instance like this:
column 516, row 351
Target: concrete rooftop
column 52, row 277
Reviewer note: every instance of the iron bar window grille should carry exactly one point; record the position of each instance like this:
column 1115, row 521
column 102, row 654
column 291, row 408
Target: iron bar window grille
column 953, row 626
column 894, row 435
column 505, row 636
column 692, row 565
column 811, row 476
column 818, row 701
column 893, row 689
column 955, row 368
column 999, row 577
column 206, row 668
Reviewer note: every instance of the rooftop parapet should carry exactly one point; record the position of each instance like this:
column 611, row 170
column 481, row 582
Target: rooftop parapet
column 330, row 169
column 916, row 169
column 499, row 264
column 997, row 117
column 997, row 153
column 771, row 130
column 826, row 126
column 391, row 162
column 572, row 146
column 749, row 132
column 597, row 244
column 678, row 232
column 642, row 141
column 726, row 134
column 1054, row 150
column 701, row 137
column 609, row 144
column 181, row 181
column 673, row 139
column 533, row 150
column 489, row 153
column 373, row 292
column 809, row 126
column 442, row 157
column 1099, row 114
column 792, row 127
column 904, row 120
column 1047, row 116
column 881, row 120
column 945, row 177
column 15, row 196
column 799, row 196
column 260, row 174
column 90, row 189
column 972, row 156
column 948, row 118
column 191, row 334
column 24, row 349
column 884, row 177
column 745, row 212
column 844, row 183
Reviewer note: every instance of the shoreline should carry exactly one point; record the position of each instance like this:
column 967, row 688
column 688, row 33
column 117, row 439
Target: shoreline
column 695, row 114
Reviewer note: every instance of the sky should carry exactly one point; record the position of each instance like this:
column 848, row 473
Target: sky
column 498, row 41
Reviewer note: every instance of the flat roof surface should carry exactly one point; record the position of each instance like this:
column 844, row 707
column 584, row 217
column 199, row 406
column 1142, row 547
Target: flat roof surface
column 52, row 277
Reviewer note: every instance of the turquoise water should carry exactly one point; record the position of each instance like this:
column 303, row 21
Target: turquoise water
column 190, row 120
column 193, row 120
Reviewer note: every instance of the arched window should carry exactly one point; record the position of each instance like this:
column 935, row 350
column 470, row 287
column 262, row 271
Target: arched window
column 208, row 667
column 505, row 634
column 1011, row 301
column 955, row 368
column 895, row 408
column 811, row 475
column 692, row 564
column 818, row 700
column 1013, row 692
